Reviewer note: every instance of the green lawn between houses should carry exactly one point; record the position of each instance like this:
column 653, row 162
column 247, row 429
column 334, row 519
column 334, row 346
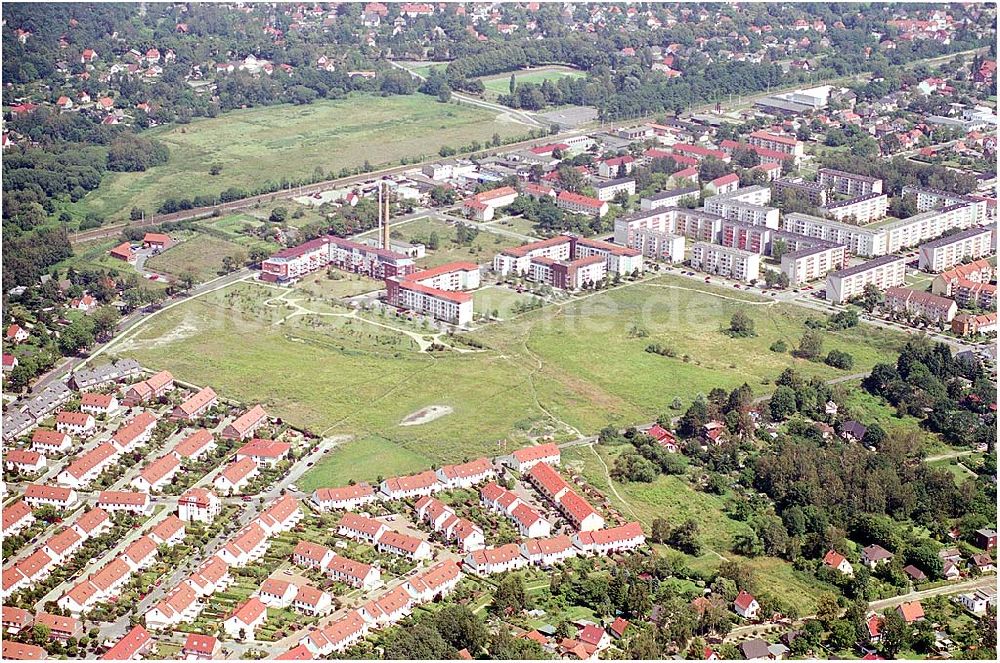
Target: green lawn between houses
column 268, row 143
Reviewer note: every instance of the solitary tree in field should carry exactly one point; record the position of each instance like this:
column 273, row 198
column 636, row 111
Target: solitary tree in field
column 741, row 325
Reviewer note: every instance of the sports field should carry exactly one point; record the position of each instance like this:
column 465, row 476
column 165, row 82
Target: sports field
column 500, row 84
column 268, row 143
column 579, row 365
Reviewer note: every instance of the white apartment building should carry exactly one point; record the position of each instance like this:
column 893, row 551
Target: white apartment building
column 609, row 189
column 812, row 263
column 884, row 272
column 941, row 254
column 848, row 183
column 748, row 204
column 861, row 210
column 671, row 198
column 725, row 261
column 929, row 199
column 659, row 245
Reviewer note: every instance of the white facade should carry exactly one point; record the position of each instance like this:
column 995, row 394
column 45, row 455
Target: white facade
column 945, row 253
column 846, row 284
column 725, row 261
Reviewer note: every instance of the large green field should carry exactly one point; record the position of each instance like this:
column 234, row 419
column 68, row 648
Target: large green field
column 500, row 84
column 579, row 365
column 257, row 145
column 201, row 255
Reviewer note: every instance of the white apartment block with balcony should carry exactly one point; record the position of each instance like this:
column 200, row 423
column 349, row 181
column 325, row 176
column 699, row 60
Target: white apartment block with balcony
column 884, row 272
column 941, row 254
column 850, row 184
column 861, row 210
column 749, row 204
column 725, row 261
column 812, row 263
column 928, row 199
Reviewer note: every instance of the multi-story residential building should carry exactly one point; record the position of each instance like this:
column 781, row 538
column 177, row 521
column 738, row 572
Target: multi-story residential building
column 850, row 184
column 669, row 221
column 725, row 261
column 777, row 143
column 946, row 252
column 658, row 245
column 198, row 505
column 860, row 210
column 930, row 199
column 293, row 263
column 814, row 192
column 978, row 271
column 748, row 204
column 909, row 232
column 483, row 206
column 920, row 304
column 812, row 263
column 579, row 204
column 969, row 293
column 671, row 198
column 883, row 272
column 568, row 262
column 607, row 190
column 435, row 292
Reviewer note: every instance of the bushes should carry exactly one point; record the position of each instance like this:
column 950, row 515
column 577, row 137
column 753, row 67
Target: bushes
column 662, row 350
column 839, row 359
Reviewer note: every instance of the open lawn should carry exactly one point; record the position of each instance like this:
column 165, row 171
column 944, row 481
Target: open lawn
column 869, row 409
column 353, row 461
column 502, row 300
column 256, row 145
column 500, row 84
column 578, row 365
column 343, row 284
column 201, row 255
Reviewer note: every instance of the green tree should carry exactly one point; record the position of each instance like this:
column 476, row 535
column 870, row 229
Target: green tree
column 741, row 325
column 811, row 345
column 510, row 597
column 782, row 404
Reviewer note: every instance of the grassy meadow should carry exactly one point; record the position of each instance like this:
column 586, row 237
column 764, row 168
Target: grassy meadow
column 256, row 145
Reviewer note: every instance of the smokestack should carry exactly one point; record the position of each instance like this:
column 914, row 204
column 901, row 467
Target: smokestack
column 385, row 225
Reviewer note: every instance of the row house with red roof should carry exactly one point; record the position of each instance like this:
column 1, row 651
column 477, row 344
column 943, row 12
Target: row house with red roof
column 152, row 387
column 196, row 405
column 136, row 432
column 346, row 498
column 89, row 466
column 554, row 488
column 342, row 569
column 245, row 619
column 134, row 645
column 414, row 485
column 247, row 546
column 158, row 474
column 23, row 460
column 443, row 520
column 195, row 445
column 436, row 582
column 97, row 404
column 499, row 559
column 122, row 500
column 522, row 460
column 264, row 453
column 336, row 636
column 39, row 495
column 610, row 540
column 244, row 426
column 17, row 517
column 549, row 551
column 235, row 476
column 529, row 522
column 404, row 545
column 50, row 441
column 466, row 475
column 75, row 423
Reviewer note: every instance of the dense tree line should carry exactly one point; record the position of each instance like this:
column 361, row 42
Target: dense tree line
column 929, row 383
